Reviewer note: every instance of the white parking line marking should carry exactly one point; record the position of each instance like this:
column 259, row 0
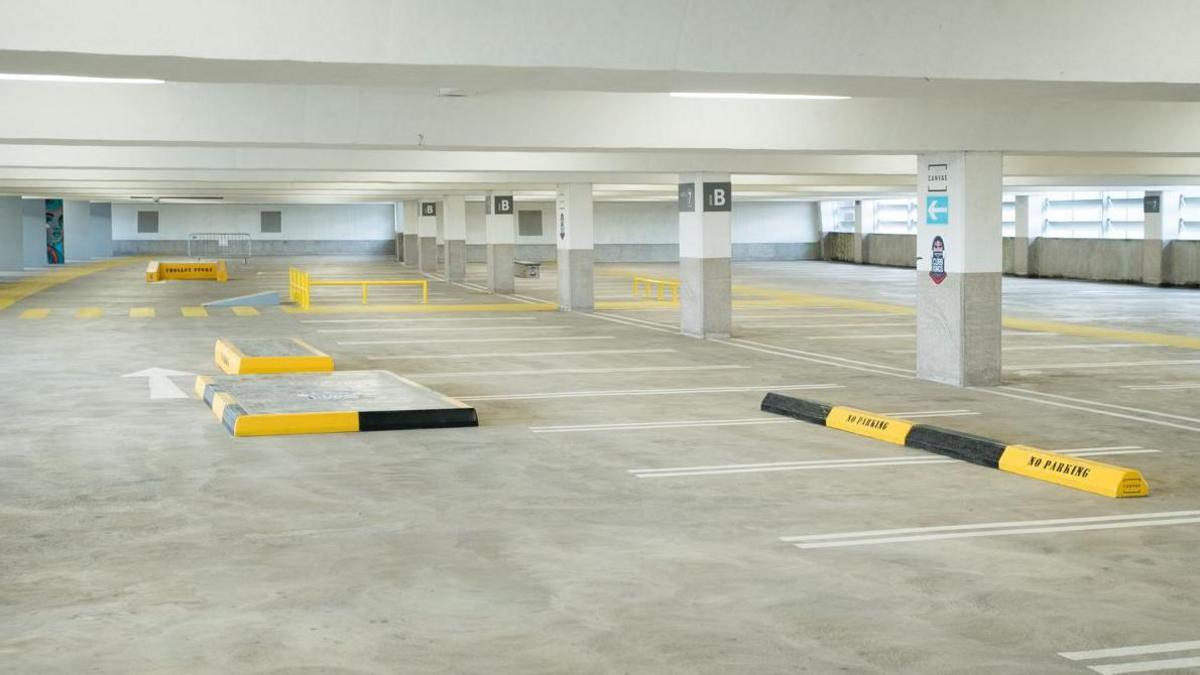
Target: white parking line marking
column 643, row 392
column 1147, row 666
column 1139, row 650
column 715, row 423
column 1045, row 401
column 1032, row 348
column 442, row 341
column 830, row 325
column 1110, row 364
column 998, row 529
column 888, row 336
column 422, row 319
column 409, row 357
column 1107, row 405
column 570, row 371
column 1161, row 387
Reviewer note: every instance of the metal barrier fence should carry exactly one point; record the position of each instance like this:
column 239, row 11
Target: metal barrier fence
column 300, row 285
column 657, row 287
column 219, row 245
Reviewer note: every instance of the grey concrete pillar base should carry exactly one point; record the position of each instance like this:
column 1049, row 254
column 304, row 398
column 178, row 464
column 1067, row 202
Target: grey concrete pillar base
column 411, row 249
column 576, row 286
column 958, row 329
column 500, row 267
column 858, row 248
column 441, row 254
column 706, row 297
column 1153, row 262
column 456, row 260
column 427, row 256
column 1020, row 256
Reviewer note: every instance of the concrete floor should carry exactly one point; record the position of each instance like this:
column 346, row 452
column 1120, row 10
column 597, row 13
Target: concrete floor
column 139, row 537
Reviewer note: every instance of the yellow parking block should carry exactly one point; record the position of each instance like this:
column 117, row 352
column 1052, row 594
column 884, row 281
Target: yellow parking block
column 141, row 313
column 89, row 313
column 36, row 313
column 194, row 312
column 245, row 311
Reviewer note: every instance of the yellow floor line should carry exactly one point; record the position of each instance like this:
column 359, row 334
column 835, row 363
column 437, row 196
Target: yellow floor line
column 89, row 313
column 12, row 293
column 769, row 297
column 194, row 312
column 36, row 313
column 636, row 304
column 422, row 309
column 141, row 313
column 245, row 311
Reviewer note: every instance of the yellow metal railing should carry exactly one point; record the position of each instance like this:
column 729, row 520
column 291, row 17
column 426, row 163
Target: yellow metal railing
column 300, row 285
column 656, row 287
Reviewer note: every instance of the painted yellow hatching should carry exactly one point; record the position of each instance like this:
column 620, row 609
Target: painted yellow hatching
column 36, row 313
column 245, row 311
column 141, row 313
column 194, row 312
column 89, row 313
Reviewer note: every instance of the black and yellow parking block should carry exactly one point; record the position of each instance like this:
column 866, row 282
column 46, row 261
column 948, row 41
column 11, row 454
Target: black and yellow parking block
column 1082, row 474
column 319, row 403
column 274, row 355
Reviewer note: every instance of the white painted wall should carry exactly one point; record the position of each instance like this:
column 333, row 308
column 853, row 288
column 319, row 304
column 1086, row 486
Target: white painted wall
column 323, row 222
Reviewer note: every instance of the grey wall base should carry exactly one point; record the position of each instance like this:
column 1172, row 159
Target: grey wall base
column 576, row 284
column 427, row 254
column 260, row 247
column 958, row 329
column 411, row 250
column 500, row 268
column 456, row 259
column 706, row 297
column 1087, row 259
column 618, row 253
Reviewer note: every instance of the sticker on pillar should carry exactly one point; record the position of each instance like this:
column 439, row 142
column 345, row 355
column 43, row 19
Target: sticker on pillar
column 937, row 263
column 502, row 205
column 937, row 178
column 54, row 232
column 937, row 209
column 1152, row 204
column 718, row 197
column 428, row 208
column 687, row 197
column 562, row 225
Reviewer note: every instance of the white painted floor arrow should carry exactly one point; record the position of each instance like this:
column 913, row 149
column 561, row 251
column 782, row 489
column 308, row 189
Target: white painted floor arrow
column 161, row 385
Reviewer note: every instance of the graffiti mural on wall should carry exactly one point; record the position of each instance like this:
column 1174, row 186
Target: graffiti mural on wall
column 54, row 232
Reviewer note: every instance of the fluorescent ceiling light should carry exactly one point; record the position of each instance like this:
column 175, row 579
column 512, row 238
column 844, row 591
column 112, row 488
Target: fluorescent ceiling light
column 30, row 77
column 794, row 97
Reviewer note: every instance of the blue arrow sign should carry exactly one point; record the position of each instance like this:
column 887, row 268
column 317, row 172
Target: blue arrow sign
column 937, row 209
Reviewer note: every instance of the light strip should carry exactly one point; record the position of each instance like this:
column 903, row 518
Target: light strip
column 745, row 95
column 33, row 77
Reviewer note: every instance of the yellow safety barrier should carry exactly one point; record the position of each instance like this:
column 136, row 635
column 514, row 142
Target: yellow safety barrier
column 187, row 271
column 657, row 287
column 301, row 283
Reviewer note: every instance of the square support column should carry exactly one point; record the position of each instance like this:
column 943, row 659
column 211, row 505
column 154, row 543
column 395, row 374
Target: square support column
column 454, row 223
column 1029, row 222
column 705, row 249
column 411, row 247
column 33, row 222
column 959, row 264
column 102, row 236
column 12, row 234
column 501, row 242
column 576, row 256
column 427, row 260
column 1161, row 228
column 864, row 225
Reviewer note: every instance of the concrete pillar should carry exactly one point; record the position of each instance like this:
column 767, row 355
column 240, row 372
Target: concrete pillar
column 412, row 244
column 427, row 238
column 1029, row 222
column 501, row 242
column 864, row 225
column 1161, row 228
column 828, row 217
column 959, row 264
column 705, row 247
column 33, row 222
column 102, row 233
column 454, row 223
column 574, row 235
column 12, row 234
column 77, row 235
